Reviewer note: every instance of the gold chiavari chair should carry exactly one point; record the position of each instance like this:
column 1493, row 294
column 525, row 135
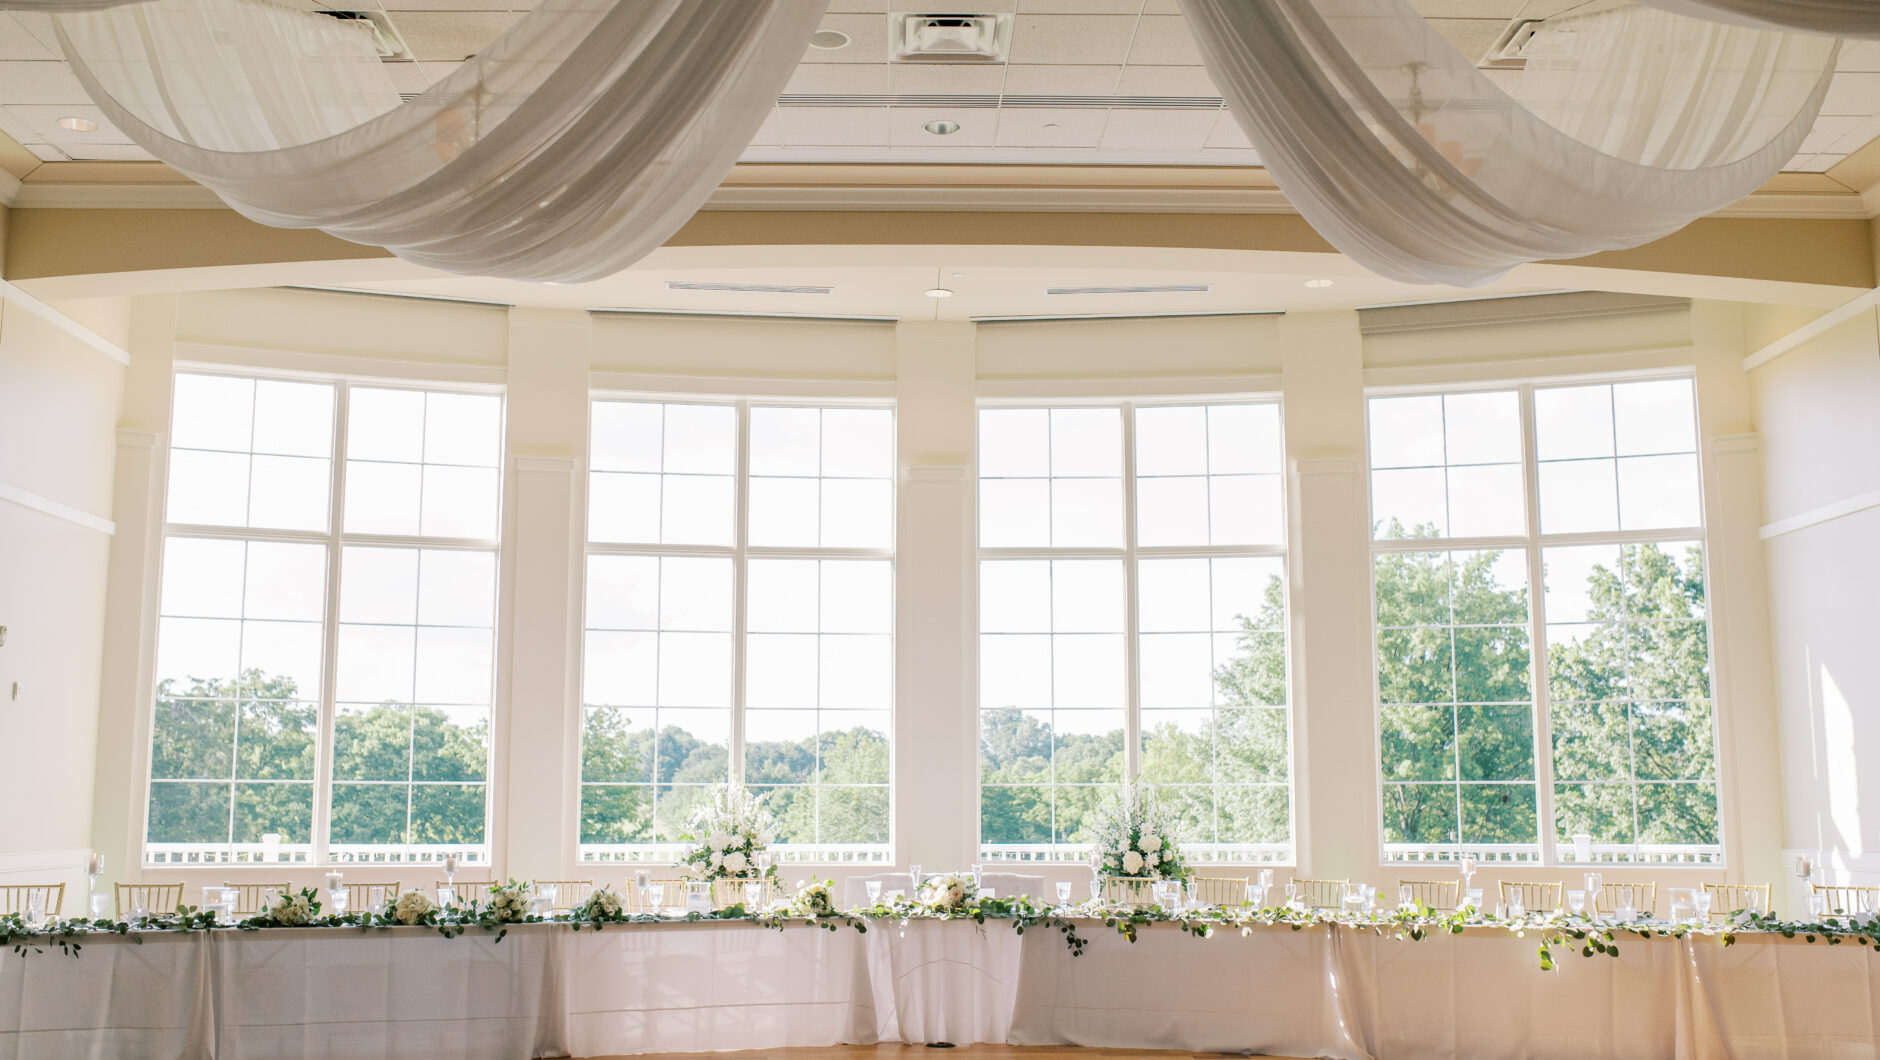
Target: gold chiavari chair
column 1220, row 890
column 726, row 893
column 18, row 897
column 1534, row 897
column 370, row 897
column 1845, row 900
column 466, row 889
column 251, row 898
column 569, row 894
column 672, row 894
column 1320, row 894
column 1442, row 896
column 154, row 897
column 1727, row 899
column 1128, row 890
column 1641, row 897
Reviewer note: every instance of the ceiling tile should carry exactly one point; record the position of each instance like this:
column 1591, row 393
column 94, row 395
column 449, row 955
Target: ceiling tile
column 858, row 79
column 1473, row 37
column 845, row 7
column 16, row 42
column 868, row 40
column 411, row 77
column 39, row 82
column 1864, row 132
column 1827, row 131
column 1061, row 80
column 1158, row 131
column 833, row 126
column 977, row 7
column 1226, row 134
column 1162, row 7
column 43, row 120
column 946, row 79
column 47, row 152
column 1857, row 93
column 16, row 128
column 977, row 127
column 1164, row 40
column 1048, row 127
column 397, row 8
column 1072, row 39
column 1166, row 81
column 1862, row 55
column 450, row 35
column 767, row 134
column 1080, row 7
column 108, row 153
column 40, row 26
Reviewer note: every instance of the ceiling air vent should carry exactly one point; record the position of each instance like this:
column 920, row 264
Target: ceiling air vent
column 385, row 36
column 1168, row 288
column 953, row 38
column 747, row 288
column 1509, row 52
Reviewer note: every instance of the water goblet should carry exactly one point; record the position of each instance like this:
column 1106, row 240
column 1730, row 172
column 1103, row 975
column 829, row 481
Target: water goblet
column 753, row 894
column 99, row 903
column 1250, row 893
column 1063, row 893
column 1817, row 905
column 1626, row 912
column 913, row 874
column 269, row 896
column 1406, row 898
column 874, row 892
column 447, row 895
column 1354, row 897
column 1265, row 878
column 1370, row 897
column 1700, row 902
column 656, row 898
column 1576, row 902
column 1292, row 895
column 1096, row 889
column 1752, row 903
column 1515, row 908
column 341, row 899
column 35, row 906
column 1472, row 899
column 140, row 908
column 550, row 893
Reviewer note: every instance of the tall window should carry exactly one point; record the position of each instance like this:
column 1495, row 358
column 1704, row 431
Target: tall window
column 1132, row 623
column 324, row 670
column 1590, row 494
column 740, row 624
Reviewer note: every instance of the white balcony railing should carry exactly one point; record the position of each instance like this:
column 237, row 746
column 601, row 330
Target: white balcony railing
column 1192, row 853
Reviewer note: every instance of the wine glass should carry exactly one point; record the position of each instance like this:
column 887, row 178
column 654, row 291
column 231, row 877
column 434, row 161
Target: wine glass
column 550, row 893
column 1063, row 893
column 874, row 892
column 35, row 906
column 913, row 874
column 1472, row 897
column 656, row 897
column 1576, row 902
column 1096, row 889
column 1406, row 898
column 1265, row 878
column 753, row 894
column 1700, row 901
column 269, row 896
column 1250, row 894
column 341, row 899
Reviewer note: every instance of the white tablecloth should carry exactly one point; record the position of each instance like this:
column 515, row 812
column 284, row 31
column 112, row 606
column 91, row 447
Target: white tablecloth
column 547, row 991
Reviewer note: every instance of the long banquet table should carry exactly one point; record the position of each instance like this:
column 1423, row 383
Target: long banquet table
column 546, row 990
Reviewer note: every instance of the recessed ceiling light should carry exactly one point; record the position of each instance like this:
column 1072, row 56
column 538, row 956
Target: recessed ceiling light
column 938, row 292
column 829, row 39
column 78, row 125
column 942, row 127
column 1315, row 284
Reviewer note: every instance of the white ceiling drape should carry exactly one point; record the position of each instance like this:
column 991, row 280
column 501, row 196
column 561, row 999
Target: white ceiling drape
column 1834, row 18
column 577, row 143
column 1411, row 161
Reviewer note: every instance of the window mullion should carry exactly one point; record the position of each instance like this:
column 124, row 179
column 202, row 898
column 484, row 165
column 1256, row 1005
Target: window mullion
column 1132, row 690
column 1537, row 636
column 323, row 748
column 739, row 584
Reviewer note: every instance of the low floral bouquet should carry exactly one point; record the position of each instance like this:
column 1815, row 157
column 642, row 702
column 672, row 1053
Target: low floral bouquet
column 1135, row 837
column 411, row 908
column 509, row 902
column 294, row 910
column 604, row 903
column 949, row 892
column 728, row 834
column 815, row 898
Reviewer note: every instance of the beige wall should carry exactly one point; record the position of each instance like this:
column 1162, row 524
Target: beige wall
column 1320, row 364
column 58, row 414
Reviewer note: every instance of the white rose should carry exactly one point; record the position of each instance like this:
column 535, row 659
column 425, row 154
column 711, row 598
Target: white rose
column 734, row 862
column 719, row 841
column 718, row 860
column 1154, row 860
column 1132, row 863
column 411, row 907
column 1149, row 842
column 1123, row 847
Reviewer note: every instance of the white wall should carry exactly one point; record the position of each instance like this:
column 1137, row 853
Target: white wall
column 1320, row 364
column 58, row 414
column 1818, row 412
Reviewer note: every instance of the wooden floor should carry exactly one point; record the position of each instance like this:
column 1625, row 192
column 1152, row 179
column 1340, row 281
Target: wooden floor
column 921, row 1052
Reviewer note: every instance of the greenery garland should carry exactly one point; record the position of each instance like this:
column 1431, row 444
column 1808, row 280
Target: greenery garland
column 1556, row 932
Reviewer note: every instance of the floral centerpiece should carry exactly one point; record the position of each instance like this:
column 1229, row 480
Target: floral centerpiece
column 728, row 834
column 949, row 891
column 412, row 907
column 1135, row 837
column 815, row 898
column 509, row 902
column 604, row 903
column 293, row 910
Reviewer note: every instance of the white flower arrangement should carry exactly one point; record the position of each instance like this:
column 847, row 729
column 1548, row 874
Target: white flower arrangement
column 604, row 904
column 292, row 910
column 949, row 892
column 1134, row 836
column 509, row 902
column 412, row 907
column 815, row 898
column 730, row 831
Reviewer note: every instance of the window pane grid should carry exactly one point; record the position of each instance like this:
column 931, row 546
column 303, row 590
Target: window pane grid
column 1623, row 655
column 1164, row 646
column 808, row 723
column 278, row 626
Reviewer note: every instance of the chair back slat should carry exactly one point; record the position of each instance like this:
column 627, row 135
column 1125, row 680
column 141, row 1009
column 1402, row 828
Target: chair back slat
column 1641, row 897
column 251, row 898
column 154, row 897
column 1220, row 890
column 370, row 897
column 18, row 897
column 1847, row 900
column 1442, row 896
column 1321, row 894
column 569, row 894
column 1728, row 898
column 1534, row 897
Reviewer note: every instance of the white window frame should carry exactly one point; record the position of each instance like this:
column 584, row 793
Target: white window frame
column 740, row 552
column 1129, row 553
column 321, row 850
column 1546, row 852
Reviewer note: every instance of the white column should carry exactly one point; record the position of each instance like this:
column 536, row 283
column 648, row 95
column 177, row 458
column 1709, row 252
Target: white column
column 1334, row 734
column 1742, row 664
column 936, row 817
column 123, row 745
column 536, row 783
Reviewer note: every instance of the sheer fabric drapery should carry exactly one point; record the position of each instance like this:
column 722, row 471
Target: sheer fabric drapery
column 1834, row 18
column 578, row 142
column 1409, row 160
